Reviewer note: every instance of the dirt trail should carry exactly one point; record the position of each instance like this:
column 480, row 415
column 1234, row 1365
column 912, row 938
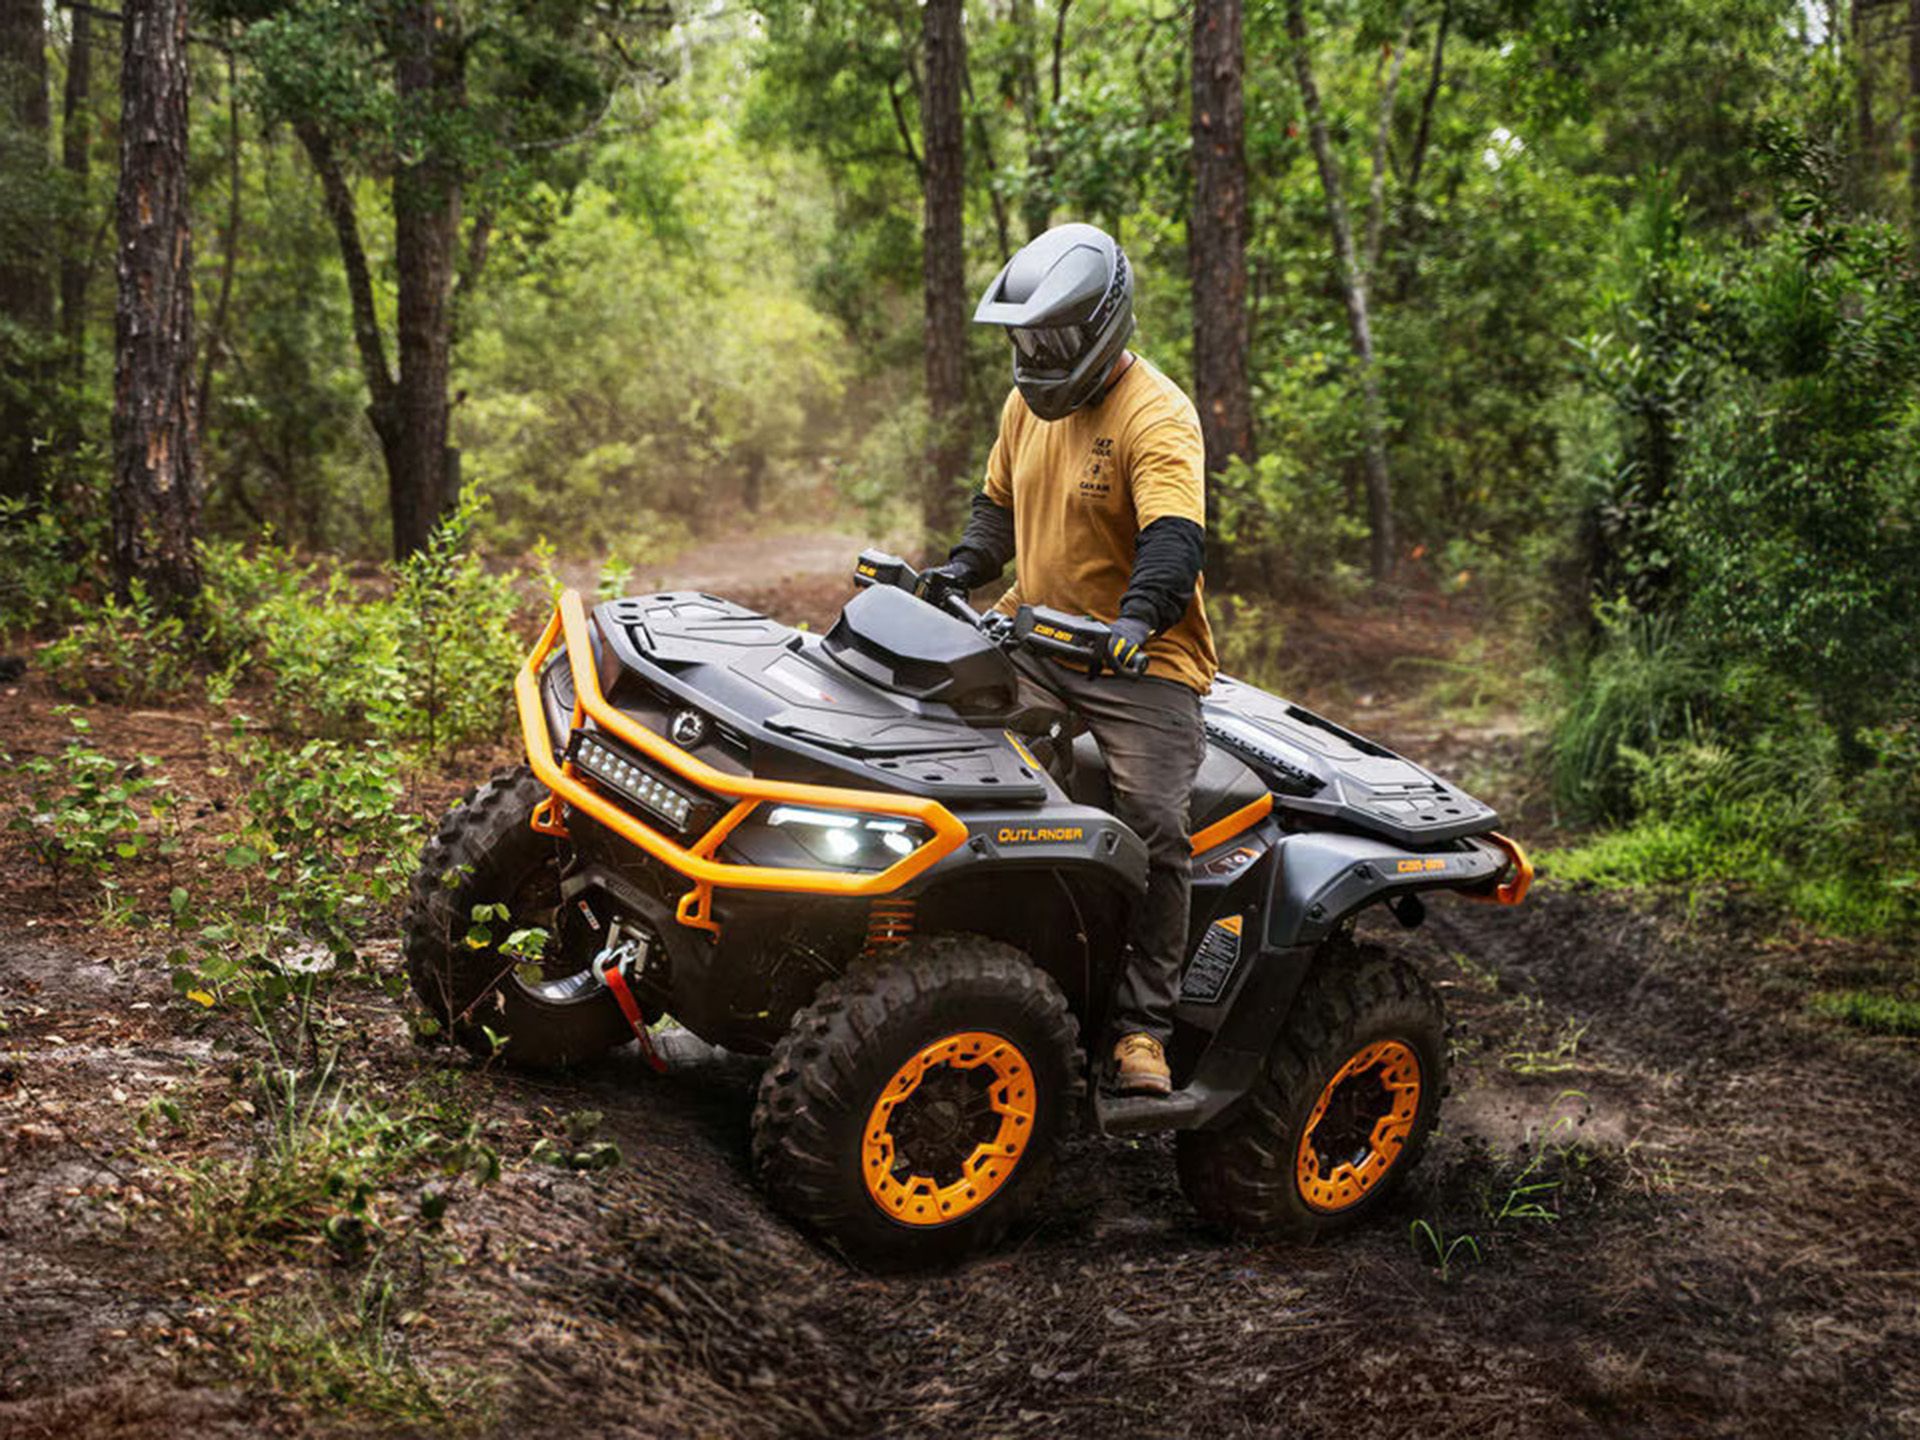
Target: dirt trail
column 1730, row 1253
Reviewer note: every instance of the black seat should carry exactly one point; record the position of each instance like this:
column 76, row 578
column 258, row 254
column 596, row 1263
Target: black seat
column 1223, row 785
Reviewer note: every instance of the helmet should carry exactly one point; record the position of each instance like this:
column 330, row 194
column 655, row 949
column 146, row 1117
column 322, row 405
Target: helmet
column 1066, row 300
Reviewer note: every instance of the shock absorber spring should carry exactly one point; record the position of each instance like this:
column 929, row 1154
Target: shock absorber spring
column 889, row 922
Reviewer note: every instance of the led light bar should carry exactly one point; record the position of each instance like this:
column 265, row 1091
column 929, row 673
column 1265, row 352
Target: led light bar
column 633, row 781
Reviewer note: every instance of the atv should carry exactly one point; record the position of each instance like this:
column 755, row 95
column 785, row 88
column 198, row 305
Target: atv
column 856, row 855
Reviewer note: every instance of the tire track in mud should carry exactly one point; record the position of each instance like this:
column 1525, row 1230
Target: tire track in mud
column 1732, row 1254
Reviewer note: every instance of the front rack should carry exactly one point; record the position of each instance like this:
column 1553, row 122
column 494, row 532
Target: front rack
column 699, row 861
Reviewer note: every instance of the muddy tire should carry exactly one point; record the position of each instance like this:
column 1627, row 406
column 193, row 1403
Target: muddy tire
column 1350, row 1095
column 485, row 853
column 910, row 1114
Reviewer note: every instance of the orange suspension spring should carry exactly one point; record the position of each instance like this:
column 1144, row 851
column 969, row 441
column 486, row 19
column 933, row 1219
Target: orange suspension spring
column 889, row 922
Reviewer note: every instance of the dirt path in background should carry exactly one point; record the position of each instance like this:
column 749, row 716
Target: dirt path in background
column 1722, row 1244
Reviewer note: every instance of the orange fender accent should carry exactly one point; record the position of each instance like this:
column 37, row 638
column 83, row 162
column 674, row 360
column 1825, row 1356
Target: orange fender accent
column 1225, row 828
column 1513, row 889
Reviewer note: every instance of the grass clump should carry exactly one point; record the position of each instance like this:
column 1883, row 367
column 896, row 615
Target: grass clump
column 351, row 1346
column 1867, row 1010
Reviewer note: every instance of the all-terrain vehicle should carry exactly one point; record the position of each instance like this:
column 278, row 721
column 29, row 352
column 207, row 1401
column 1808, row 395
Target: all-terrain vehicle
column 852, row 853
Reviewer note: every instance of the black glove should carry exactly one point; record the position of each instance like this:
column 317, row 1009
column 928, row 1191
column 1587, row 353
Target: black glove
column 937, row 582
column 1126, row 652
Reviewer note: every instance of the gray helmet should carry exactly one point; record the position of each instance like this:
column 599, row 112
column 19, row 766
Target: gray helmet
column 1066, row 300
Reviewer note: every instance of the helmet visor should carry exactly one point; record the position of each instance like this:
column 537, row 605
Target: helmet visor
column 1051, row 347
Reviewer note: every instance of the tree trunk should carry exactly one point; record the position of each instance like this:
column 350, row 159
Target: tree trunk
column 1913, row 124
column 156, row 449
column 26, row 291
column 426, row 232
column 1217, row 237
column 1353, row 288
column 229, row 244
column 76, row 154
column 1866, row 146
column 943, row 258
column 1036, row 206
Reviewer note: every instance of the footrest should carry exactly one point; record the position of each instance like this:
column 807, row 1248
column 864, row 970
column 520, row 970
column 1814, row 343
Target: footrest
column 1144, row 1114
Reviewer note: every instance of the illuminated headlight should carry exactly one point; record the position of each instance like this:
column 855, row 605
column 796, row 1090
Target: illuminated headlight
column 849, row 841
column 635, row 782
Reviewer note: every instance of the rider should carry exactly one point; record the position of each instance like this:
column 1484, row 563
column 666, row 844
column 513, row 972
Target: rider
column 1096, row 486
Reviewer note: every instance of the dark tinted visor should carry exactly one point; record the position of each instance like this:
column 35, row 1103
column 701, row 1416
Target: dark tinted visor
column 1055, row 346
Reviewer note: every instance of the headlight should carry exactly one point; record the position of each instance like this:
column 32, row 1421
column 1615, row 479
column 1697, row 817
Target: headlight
column 849, row 841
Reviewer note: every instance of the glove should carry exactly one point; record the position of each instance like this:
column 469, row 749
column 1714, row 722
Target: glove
column 1126, row 652
column 939, row 581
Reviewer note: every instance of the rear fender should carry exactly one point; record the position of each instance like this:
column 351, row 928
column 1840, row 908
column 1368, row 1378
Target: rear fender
column 1324, row 878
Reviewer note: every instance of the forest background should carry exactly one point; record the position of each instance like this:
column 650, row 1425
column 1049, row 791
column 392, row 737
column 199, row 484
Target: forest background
column 1596, row 317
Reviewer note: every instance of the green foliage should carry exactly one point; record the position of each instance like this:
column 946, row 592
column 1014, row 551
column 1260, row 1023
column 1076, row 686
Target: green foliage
column 1750, row 709
column 42, row 562
column 331, row 1166
column 1865, row 1010
column 90, row 813
column 132, row 651
column 454, row 638
column 1644, row 686
column 1287, row 524
column 324, row 850
column 346, row 1345
column 431, row 664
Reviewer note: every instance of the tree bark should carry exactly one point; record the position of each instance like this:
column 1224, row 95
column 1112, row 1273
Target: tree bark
column 26, row 291
column 1217, row 237
column 1036, row 207
column 76, row 155
column 943, row 258
column 1353, row 288
column 1913, row 125
column 431, row 83
column 156, row 446
column 229, row 243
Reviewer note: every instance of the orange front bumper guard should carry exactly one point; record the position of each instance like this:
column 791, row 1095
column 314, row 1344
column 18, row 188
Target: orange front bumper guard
column 697, row 861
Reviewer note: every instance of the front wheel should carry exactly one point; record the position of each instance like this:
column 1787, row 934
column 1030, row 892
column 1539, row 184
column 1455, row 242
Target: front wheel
column 910, row 1113
column 1350, row 1095
column 487, row 853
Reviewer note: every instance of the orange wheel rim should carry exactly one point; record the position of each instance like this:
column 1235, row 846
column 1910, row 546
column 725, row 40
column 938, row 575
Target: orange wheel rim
column 1358, row 1127
column 948, row 1129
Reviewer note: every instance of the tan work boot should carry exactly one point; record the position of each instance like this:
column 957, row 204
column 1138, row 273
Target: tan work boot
column 1140, row 1066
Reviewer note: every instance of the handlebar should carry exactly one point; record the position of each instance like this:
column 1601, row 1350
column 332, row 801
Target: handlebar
column 1034, row 627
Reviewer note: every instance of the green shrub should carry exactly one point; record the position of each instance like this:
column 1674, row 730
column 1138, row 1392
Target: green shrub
column 1287, row 525
column 1645, row 686
column 325, row 849
column 42, row 564
column 130, row 651
column 89, row 812
column 431, row 664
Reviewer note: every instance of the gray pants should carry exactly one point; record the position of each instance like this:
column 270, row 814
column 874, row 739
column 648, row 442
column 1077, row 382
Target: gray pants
column 1150, row 735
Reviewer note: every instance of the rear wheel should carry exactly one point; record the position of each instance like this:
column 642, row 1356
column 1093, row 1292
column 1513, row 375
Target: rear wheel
column 910, row 1113
column 487, row 853
column 1350, row 1095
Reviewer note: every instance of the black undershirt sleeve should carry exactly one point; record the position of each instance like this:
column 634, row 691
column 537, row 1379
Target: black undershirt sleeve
column 987, row 543
column 1167, row 557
